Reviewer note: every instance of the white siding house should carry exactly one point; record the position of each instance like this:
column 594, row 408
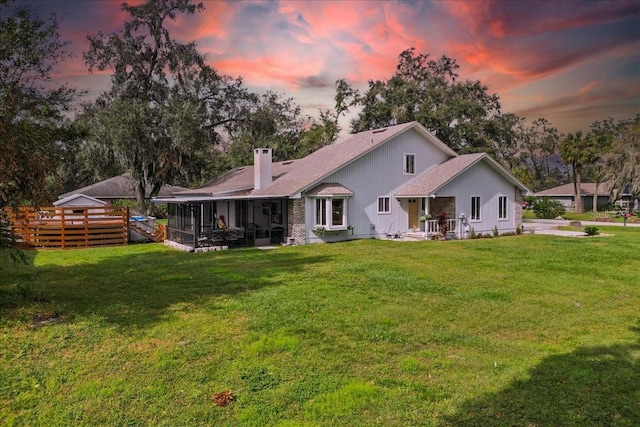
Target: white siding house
column 375, row 184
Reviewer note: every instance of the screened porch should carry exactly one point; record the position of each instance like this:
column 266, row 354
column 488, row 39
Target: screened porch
column 232, row 223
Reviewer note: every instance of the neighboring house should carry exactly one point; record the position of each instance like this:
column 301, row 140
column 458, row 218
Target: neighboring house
column 79, row 200
column 565, row 194
column 116, row 188
column 374, row 184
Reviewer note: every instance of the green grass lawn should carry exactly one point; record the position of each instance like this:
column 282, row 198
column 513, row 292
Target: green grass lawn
column 527, row 330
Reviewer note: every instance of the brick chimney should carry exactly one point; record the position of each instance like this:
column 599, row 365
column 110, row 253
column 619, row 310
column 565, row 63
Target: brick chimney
column 261, row 167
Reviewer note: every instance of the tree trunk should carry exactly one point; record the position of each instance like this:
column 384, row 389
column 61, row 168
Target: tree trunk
column 595, row 198
column 575, row 187
column 577, row 173
column 143, row 203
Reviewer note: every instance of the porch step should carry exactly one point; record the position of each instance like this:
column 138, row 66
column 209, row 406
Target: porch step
column 414, row 235
column 148, row 228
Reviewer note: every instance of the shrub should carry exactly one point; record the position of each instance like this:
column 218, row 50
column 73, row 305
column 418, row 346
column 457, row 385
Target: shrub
column 472, row 234
column 528, row 201
column 591, row 230
column 496, row 233
column 546, row 208
column 319, row 230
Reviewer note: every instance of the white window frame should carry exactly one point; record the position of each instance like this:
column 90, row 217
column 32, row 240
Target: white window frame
column 503, row 213
column 386, row 203
column 476, row 211
column 405, row 164
column 325, row 205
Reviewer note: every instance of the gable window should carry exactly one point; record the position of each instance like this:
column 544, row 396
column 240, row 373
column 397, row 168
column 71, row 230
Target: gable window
column 384, row 205
column 409, row 164
column 502, row 207
column 475, row 208
column 331, row 213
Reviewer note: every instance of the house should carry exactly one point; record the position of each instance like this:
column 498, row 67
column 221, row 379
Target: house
column 79, row 200
column 565, row 194
column 116, row 188
column 374, row 184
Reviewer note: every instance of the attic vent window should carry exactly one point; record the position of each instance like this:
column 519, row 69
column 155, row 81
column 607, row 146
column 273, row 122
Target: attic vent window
column 379, row 130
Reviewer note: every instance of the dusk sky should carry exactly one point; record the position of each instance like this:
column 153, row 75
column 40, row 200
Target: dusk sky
column 570, row 62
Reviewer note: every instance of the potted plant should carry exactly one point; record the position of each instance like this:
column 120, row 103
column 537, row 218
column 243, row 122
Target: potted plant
column 443, row 225
column 424, row 218
column 319, row 230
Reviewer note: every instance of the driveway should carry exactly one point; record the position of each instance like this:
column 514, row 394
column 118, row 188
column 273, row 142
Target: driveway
column 550, row 226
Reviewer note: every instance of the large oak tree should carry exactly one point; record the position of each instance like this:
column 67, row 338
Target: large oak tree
column 462, row 113
column 32, row 107
column 158, row 120
column 622, row 160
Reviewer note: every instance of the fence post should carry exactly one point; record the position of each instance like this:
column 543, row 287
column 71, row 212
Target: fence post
column 27, row 226
column 126, row 225
column 62, row 227
column 86, row 227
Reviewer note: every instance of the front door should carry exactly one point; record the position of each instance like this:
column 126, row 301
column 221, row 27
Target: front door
column 413, row 214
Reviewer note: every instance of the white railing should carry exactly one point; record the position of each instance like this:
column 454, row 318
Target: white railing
column 431, row 226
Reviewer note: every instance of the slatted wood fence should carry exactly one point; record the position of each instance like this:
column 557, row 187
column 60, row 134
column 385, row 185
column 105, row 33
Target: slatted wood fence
column 70, row 227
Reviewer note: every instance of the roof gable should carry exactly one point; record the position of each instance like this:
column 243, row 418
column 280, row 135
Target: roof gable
column 295, row 176
column 331, row 158
column 74, row 199
column 435, row 178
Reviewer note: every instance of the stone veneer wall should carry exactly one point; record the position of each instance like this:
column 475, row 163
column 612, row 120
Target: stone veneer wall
column 296, row 226
column 446, row 204
column 518, row 209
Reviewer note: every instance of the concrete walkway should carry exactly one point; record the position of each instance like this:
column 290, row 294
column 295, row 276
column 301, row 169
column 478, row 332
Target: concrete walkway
column 550, row 226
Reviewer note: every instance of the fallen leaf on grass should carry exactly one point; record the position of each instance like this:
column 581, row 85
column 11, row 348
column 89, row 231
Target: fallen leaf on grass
column 223, row 398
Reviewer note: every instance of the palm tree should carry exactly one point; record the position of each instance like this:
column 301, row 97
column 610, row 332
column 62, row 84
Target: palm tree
column 577, row 151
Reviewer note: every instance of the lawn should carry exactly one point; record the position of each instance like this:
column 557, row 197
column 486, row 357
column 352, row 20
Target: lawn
column 526, row 330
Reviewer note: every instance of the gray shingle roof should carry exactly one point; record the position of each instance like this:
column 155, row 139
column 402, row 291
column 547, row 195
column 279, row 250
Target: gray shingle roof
column 587, row 189
column 330, row 189
column 118, row 187
column 295, row 176
column 238, row 180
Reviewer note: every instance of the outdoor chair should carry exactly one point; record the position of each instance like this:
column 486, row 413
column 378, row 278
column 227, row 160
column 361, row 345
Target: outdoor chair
column 233, row 237
column 218, row 237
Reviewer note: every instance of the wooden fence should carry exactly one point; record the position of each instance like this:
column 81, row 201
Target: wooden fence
column 70, row 227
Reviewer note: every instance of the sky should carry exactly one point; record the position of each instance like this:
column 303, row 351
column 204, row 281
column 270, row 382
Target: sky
column 571, row 62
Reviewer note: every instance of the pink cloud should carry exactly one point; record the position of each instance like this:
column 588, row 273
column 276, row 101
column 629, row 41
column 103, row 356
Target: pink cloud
column 212, row 22
column 530, row 53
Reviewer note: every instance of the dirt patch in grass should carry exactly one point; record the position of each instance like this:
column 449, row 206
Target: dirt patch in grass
column 45, row 318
